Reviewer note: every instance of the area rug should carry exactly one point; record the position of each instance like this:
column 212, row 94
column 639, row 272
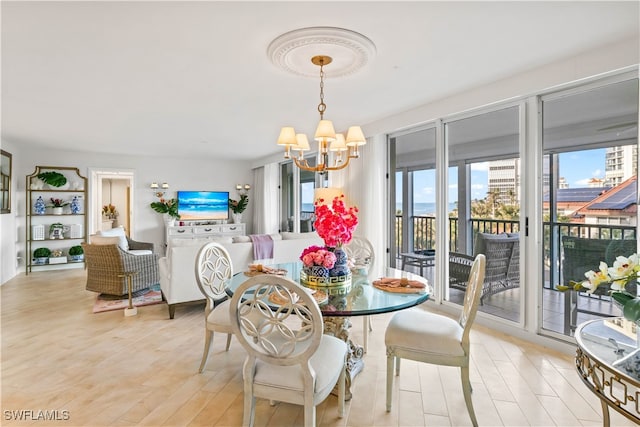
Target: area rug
column 150, row 296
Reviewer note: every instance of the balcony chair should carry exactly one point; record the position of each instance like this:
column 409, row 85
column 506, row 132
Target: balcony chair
column 360, row 251
column 289, row 359
column 502, row 252
column 213, row 268
column 580, row 255
column 106, row 263
column 422, row 336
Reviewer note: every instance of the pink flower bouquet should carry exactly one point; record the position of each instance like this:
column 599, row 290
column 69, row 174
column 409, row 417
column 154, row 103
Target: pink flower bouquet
column 335, row 224
column 317, row 255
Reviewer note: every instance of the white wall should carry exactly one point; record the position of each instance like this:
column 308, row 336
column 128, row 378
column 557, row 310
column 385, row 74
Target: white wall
column 181, row 174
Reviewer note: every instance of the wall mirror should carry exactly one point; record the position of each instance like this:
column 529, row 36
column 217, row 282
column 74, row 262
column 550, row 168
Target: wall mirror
column 5, row 182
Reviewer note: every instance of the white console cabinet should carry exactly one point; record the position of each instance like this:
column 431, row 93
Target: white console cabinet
column 205, row 231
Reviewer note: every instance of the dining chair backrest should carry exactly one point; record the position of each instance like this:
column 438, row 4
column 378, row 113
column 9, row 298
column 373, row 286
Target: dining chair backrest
column 472, row 297
column 276, row 320
column 213, row 268
column 360, row 250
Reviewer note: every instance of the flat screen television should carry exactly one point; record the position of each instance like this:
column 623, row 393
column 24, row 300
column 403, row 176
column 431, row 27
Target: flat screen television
column 203, row 205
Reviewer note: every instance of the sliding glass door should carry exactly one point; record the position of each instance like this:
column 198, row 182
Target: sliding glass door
column 484, row 216
column 590, row 193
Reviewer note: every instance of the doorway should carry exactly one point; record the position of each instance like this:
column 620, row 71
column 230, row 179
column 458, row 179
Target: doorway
column 111, row 199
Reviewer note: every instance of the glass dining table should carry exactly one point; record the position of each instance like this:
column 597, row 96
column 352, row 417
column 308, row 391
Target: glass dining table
column 363, row 299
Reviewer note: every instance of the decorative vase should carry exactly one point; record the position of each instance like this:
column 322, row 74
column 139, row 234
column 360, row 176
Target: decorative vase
column 341, row 267
column 75, row 205
column 169, row 220
column 39, row 207
column 237, row 218
column 57, row 210
column 318, row 270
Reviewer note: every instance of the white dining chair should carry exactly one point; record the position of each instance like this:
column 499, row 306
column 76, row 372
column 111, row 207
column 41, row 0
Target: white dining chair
column 289, row 359
column 213, row 268
column 360, row 251
column 426, row 337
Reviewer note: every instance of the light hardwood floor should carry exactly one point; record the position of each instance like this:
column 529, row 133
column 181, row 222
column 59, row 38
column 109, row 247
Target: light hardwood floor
column 105, row 369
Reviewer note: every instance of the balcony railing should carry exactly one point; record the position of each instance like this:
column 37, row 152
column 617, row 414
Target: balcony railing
column 424, row 231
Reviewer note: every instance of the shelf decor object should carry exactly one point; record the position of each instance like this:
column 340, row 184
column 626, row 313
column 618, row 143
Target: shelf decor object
column 55, row 231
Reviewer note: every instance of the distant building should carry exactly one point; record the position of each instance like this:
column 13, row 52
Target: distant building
column 596, row 183
column 616, row 206
column 504, row 178
column 621, row 163
column 569, row 200
column 562, row 182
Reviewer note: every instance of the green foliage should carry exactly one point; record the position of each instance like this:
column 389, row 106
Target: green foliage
column 53, row 178
column 238, row 206
column 166, row 207
column 76, row 250
column 42, row 253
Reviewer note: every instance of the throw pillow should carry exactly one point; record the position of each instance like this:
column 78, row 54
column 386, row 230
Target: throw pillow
column 241, row 239
column 117, row 232
column 287, row 235
column 101, row 240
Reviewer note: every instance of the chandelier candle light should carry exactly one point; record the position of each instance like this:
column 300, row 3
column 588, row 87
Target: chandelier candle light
column 345, row 149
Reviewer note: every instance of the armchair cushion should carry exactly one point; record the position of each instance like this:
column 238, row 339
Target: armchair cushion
column 101, row 240
column 117, row 232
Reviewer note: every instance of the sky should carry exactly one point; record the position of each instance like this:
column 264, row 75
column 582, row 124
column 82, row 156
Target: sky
column 576, row 167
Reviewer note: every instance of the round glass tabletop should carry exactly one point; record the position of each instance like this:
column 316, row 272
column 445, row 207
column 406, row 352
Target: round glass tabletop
column 363, row 298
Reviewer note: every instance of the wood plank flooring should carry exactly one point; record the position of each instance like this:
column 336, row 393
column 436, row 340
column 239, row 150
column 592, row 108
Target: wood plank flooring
column 107, row 370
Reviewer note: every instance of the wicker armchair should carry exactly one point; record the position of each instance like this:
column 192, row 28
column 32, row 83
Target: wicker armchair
column 106, row 262
column 502, row 269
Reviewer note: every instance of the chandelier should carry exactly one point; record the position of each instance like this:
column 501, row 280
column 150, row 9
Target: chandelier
column 343, row 149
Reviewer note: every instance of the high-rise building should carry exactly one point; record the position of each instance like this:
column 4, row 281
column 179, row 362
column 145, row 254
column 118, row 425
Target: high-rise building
column 621, row 164
column 504, row 179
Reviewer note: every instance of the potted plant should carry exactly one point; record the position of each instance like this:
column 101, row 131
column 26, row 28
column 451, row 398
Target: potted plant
column 54, row 179
column 238, row 206
column 169, row 207
column 41, row 255
column 76, row 253
column 57, row 205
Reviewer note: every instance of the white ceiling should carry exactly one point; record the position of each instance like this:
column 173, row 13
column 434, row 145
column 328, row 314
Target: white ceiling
column 193, row 78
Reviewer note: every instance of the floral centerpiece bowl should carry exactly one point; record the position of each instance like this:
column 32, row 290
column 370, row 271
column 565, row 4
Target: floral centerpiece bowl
column 328, row 266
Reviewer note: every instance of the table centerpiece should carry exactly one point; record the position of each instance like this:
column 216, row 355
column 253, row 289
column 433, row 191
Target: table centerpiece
column 328, row 266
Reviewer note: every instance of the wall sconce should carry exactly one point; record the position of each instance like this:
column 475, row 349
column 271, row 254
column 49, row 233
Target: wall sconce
column 159, row 189
column 243, row 190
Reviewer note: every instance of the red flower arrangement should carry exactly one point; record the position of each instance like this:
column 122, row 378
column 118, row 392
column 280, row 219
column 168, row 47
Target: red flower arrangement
column 317, row 255
column 335, row 224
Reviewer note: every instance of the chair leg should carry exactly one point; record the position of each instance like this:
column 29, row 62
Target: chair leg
column 228, row 341
column 248, row 415
column 309, row 413
column 390, row 363
column 208, row 337
column 466, row 390
column 366, row 324
column 397, row 366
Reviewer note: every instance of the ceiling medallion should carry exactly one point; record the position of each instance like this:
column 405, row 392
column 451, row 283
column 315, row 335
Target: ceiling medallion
column 349, row 50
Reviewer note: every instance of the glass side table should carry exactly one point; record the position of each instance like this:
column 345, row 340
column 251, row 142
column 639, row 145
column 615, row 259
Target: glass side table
column 608, row 360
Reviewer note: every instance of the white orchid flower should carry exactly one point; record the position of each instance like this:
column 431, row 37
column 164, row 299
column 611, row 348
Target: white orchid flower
column 624, row 270
column 594, row 279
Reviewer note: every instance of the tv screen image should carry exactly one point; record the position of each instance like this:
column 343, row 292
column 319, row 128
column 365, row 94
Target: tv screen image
column 203, row 205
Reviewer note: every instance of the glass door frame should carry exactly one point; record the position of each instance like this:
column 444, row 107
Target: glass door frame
column 536, row 158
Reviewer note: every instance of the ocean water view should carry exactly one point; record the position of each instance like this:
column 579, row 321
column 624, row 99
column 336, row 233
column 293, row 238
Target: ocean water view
column 419, row 208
